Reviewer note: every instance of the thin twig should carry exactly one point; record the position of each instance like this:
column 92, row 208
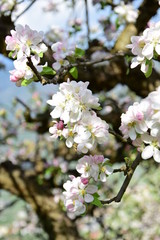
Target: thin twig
column 24, row 104
column 123, row 140
column 25, row 9
column 87, row 22
column 8, row 205
column 63, row 70
column 122, row 169
column 126, row 182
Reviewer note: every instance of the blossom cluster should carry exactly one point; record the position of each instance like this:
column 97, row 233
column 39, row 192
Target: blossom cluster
column 6, row 6
column 141, row 123
column 61, row 51
column 145, row 48
column 81, row 190
column 25, row 43
column 76, row 122
column 126, row 13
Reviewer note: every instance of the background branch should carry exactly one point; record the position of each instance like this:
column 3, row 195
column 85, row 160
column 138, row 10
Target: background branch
column 126, row 182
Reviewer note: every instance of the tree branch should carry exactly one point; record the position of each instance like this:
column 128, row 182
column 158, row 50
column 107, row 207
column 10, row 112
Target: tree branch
column 25, row 10
column 126, row 182
column 87, row 22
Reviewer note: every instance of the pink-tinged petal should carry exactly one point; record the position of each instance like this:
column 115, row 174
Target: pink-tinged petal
column 88, row 198
column 147, row 152
column 156, row 155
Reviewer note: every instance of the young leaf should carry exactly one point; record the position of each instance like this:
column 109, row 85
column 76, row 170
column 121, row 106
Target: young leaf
column 96, row 201
column 117, row 23
column 149, row 71
column 79, row 52
column 99, row 108
column 74, row 72
column 40, row 54
column 10, row 54
column 26, row 82
column 48, row 71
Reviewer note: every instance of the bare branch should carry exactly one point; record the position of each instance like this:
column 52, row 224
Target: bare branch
column 87, row 22
column 25, row 9
column 126, row 182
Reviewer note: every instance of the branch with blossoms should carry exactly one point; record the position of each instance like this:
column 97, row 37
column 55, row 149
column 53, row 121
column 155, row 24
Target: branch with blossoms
column 75, row 119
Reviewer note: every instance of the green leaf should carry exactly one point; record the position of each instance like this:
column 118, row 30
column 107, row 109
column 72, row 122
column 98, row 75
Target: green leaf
column 79, row 52
column 48, row 71
column 117, row 23
column 10, row 54
column 149, row 72
column 49, row 170
column 96, row 195
column 74, row 72
column 99, row 108
column 96, row 201
column 26, row 82
column 40, row 54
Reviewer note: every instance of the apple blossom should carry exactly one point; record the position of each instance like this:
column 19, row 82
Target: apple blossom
column 25, row 42
column 142, row 125
column 61, row 51
column 126, row 12
column 73, row 105
column 146, row 47
column 6, row 6
column 133, row 122
column 79, row 191
column 77, row 194
column 95, row 167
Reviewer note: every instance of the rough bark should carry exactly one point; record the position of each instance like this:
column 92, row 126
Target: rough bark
column 55, row 223
column 107, row 77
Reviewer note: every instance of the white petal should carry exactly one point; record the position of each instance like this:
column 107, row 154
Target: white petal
column 148, row 51
column 56, row 66
column 88, row 198
column 103, row 177
column 147, row 152
column 56, row 113
column 109, row 170
column 91, row 189
column 156, row 155
column 132, row 134
column 69, row 142
column 157, row 48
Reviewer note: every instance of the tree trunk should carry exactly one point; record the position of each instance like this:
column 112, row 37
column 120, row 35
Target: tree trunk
column 54, row 221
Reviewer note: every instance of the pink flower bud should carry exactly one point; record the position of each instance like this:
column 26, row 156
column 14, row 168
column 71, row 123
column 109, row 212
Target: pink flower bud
column 60, row 125
column 85, row 181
